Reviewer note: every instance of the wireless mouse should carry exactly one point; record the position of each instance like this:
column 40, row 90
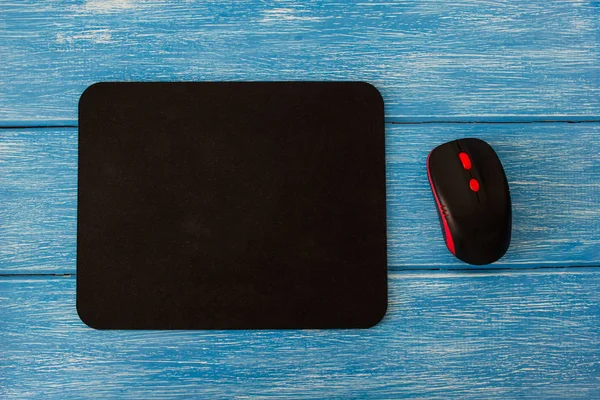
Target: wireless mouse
column 473, row 199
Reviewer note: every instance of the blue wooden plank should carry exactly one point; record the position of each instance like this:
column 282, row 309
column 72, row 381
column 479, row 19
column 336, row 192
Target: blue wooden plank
column 400, row 120
column 458, row 58
column 553, row 171
column 38, row 195
column 468, row 336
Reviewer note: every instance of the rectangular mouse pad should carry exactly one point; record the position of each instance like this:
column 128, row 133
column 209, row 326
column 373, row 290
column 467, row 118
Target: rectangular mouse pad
column 231, row 206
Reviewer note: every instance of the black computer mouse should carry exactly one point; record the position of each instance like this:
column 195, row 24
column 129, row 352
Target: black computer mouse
column 473, row 199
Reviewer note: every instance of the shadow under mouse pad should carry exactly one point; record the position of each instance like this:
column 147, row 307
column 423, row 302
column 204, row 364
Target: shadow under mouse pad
column 256, row 205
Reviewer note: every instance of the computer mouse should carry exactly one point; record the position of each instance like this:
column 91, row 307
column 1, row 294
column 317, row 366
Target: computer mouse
column 473, row 199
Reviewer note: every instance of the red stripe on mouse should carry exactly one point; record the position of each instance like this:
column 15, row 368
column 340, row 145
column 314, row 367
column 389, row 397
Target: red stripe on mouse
column 447, row 234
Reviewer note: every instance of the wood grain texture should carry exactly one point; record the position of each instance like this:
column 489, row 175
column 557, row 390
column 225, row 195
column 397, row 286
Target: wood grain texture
column 38, row 200
column 553, row 171
column 460, row 58
column 512, row 335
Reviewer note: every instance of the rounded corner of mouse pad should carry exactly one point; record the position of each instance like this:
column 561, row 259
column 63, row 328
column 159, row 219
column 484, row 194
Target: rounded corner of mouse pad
column 231, row 205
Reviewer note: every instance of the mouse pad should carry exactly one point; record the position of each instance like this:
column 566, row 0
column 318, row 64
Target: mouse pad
column 231, row 206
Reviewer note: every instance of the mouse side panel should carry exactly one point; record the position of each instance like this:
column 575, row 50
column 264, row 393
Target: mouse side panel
column 442, row 213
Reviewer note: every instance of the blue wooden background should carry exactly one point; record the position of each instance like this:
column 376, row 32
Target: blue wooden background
column 523, row 75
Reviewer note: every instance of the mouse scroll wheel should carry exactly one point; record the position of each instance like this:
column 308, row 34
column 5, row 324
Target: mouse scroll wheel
column 465, row 160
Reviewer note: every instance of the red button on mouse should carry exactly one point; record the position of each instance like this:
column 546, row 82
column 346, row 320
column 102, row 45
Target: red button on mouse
column 465, row 160
column 474, row 185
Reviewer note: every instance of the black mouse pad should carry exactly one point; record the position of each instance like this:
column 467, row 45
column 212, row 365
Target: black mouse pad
column 231, row 206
